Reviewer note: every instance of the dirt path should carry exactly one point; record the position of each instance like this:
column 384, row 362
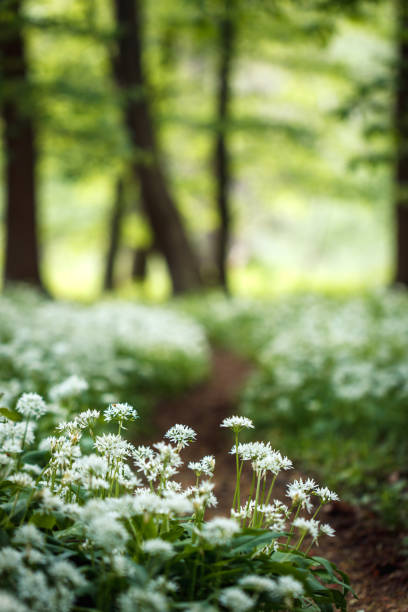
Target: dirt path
column 366, row 551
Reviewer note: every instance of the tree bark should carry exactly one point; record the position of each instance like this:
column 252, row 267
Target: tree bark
column 114, row 235
column 401, row 135
column 160, row 209
column 139, row 264
column 221, row 157
column 21, row 244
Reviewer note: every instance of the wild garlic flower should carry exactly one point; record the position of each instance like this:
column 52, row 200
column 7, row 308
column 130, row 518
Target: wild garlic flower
column 120, row 412
column 31, row 406
column 113, row 446
column 87, row 418
column 64, row 571
column 181, row 435
column 70, row 387
column 157, row 547
column 251, row 451
column 290, row 587
column 8, row 603
column 206, row 466
column 219, row 530
column 326, row 495
column 309, row 526
column 10, row 559
column 328, row 530
column 29, row 535
column 257, row 583
column 137, row 598
column 236, row 600
column 272, row 462
column 202, row 496
column 299, row 491
column 107, row 533
column 22, row 480
column 237, row 423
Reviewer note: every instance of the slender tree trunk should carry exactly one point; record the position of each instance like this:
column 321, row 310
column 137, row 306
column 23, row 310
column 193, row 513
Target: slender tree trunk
column 160, row 209
column 21, row 249
column 401, row 134
column 221, row 158
column 139, row 264
column 114, row 235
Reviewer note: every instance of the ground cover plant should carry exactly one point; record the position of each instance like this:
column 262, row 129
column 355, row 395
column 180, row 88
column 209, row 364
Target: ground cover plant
column 330, row 384
column 91, row 522
column 122, row 350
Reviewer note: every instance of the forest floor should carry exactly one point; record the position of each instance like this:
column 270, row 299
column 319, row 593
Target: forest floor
column 369, row 553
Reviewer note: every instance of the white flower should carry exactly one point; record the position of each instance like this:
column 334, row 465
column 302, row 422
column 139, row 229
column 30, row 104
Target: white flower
column 108, row 533
column 308, row 526
column 31, row 405
column 29, row 535
column 86, row 418
column 257, row 583
column 327, row 530
column 22, row 480
column 158, row 548
column 8, row 603
column 142, row 599
column 299, row 491
column 181, row 435
column 290, row 587
column 70, row 387
column 237, row 423
column 205, row 466
column 64, row 571
column 120, row 412
column 235, row 599
column 219, row 530
column 113, row 446
column 326, row 495
column 10, row 559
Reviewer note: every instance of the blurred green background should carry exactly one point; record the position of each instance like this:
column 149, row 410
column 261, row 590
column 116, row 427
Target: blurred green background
column 309, row 132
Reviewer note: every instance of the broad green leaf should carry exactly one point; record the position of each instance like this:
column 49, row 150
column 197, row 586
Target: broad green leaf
column 11, row 415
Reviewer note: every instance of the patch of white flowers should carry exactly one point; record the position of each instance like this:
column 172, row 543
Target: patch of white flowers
column 68, row 352
column 134, row 523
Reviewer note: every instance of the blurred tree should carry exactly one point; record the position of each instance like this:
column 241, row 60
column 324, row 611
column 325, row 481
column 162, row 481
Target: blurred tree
column 401, row 136
column 17, row 110
column 226, row 46
column 114, row 234
column 160, row 209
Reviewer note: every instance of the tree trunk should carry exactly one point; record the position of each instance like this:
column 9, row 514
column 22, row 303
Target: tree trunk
column 221, row 158
column 139, row 264
column 401, row 135
column 160, row 209
column 21, row 248
column 114, row 236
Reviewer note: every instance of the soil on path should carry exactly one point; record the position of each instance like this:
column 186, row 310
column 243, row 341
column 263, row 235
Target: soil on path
column 369, row 553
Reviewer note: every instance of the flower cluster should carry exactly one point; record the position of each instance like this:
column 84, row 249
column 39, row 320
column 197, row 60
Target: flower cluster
column 75, row 357
column 82, row 525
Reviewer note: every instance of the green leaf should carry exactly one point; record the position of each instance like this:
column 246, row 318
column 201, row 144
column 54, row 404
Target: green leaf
column 37, row 457
column 11, row 415
column 44, row 521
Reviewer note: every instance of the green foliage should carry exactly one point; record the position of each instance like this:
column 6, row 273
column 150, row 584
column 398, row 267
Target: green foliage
column 121, row 349
column 81, row 532
column 329, row 385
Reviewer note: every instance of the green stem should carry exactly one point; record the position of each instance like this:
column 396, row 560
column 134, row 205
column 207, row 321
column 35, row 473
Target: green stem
column 268, row 497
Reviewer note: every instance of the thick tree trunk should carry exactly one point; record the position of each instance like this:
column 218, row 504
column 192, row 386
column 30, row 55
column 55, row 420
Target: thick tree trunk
column 221, row 157
column 21, row 249
column 114, row 235
column 401, row 134
column 160, row 209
